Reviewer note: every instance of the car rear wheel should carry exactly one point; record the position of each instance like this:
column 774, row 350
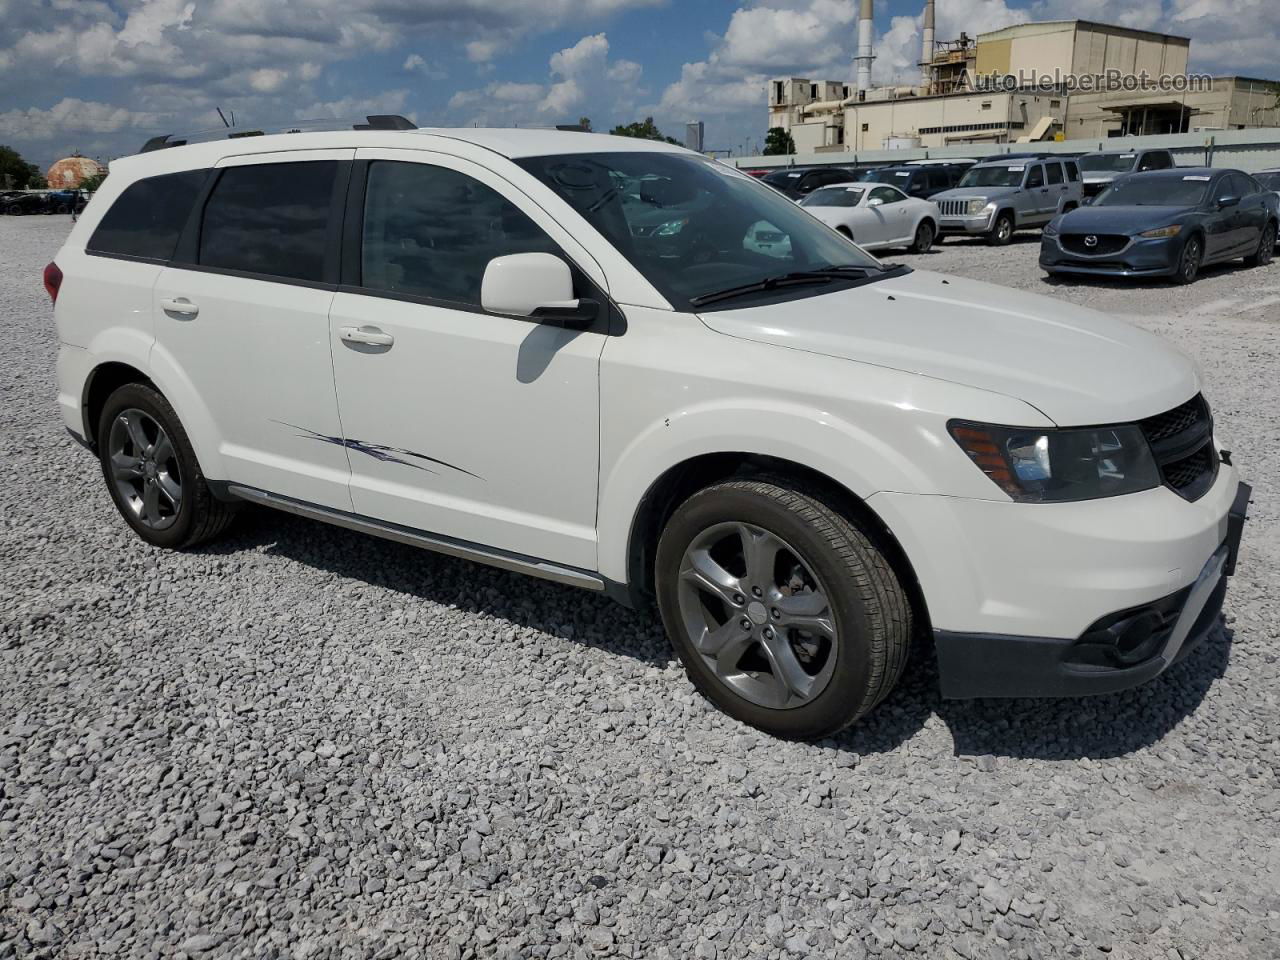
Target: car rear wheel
column 924, row 238
column 1266, row 248
column 1002, row 232
column 783, row 610
column 1189, row 263
column 152, row 472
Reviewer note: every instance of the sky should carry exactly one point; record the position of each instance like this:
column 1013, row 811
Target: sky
column 101, row 76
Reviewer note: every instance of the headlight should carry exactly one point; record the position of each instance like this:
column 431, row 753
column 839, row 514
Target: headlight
column 671, row 228
column 1162, row 232
column 977, row 206
column 1055, row 466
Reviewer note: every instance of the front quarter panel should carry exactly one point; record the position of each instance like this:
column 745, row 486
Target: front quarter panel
column 673, row 390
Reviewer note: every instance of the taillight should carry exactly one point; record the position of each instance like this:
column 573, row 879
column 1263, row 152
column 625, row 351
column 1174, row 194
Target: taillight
column 52, row 281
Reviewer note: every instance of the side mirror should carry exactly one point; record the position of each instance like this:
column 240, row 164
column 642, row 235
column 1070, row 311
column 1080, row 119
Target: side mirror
column 875, row 202
column 538, row 286
column 1224, row 202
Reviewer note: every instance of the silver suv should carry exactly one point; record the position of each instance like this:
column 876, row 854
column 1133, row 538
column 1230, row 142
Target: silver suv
column 1100, row 170
column 997, row 197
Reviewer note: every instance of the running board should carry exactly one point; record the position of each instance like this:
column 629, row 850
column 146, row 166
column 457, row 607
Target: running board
column 426, row 541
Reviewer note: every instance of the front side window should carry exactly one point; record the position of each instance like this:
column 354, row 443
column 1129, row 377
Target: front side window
column 146, row 220
column 694, row 227
column 430, row 232
column 270, row 219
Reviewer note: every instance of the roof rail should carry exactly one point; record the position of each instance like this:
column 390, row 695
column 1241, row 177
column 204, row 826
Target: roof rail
column 382, row 121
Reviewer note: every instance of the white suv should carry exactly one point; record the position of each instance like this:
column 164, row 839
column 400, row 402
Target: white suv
column 569, row 355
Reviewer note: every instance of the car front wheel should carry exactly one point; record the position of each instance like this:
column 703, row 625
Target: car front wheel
column 1002, row 232
column 784, row 611
column 1189, row 263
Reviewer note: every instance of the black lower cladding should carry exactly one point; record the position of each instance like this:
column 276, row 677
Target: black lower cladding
column 1119, row 651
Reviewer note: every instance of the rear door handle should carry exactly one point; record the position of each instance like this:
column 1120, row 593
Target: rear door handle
column 180, row 306
column 367, row 336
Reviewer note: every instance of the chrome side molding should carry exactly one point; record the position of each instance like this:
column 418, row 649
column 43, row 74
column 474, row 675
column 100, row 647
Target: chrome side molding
column 462, row 549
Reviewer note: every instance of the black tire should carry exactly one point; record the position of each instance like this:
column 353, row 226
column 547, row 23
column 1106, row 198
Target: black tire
column 201, row 516
column 870, row 610
column 1266, row 248
column 1002, row 230
column 925, row 234
column 1190, row 261
column 13, row 210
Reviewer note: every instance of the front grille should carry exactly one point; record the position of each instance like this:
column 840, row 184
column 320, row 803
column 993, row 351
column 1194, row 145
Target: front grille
column 953, row 208
column 1181, row 440
column 1103, row 244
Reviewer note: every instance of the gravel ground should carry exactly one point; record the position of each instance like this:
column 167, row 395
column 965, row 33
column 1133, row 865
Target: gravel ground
column 303, row 742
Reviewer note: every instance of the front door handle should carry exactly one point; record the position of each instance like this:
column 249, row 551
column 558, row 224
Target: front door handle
column 366, row 336
column 180, row 306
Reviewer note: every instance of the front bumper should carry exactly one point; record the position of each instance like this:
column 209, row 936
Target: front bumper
column 1118, row 651
column 1141, row 258
column 977, row 224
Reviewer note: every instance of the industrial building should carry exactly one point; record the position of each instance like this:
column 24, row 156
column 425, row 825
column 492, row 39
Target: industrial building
column 1062, row 79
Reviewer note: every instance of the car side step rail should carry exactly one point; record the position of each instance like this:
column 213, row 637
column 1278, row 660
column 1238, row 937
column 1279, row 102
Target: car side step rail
column 490, row 556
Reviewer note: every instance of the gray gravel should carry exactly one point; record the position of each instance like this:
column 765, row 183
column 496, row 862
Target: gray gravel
column 302, row 742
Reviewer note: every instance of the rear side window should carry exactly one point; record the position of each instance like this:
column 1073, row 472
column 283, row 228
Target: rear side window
column 431, row 232
column 146, row 220
column 1055, row 172
column 1073, row 170
column 270, row 219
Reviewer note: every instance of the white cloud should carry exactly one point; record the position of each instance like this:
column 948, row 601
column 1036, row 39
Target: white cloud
column 578, row 75
column 72, row 115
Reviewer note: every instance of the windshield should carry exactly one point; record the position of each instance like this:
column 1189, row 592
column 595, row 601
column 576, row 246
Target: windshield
column 841, row 196
column 696, row 227
column 995, row 176
column 1108, row 162
column 783, row 179
column 1148, row 191
column 1269, row 181
column 897, row 177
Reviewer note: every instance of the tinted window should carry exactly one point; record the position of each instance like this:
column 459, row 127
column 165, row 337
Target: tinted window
column 271, row 219
column 431, row 232
column 1156, row 191
column 1156, row 161
column 1055, row 172
column 1269, row 181
column 1036, row 177
column 147, row 218
column 1235, row 185
column 1073, row 170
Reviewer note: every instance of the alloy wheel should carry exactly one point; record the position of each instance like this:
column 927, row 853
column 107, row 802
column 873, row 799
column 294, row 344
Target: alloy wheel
column 758, row 615
column 1190, row 260
column 1267, row 252
column 924, row 238
column 144, row 469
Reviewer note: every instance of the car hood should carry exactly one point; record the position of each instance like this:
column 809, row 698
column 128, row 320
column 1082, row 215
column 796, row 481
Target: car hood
column 970, row 193
column 1125, row 220
column 1076, row 366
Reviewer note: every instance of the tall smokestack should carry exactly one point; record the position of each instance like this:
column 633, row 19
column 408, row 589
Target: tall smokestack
column 926, row 49
column 865, row 56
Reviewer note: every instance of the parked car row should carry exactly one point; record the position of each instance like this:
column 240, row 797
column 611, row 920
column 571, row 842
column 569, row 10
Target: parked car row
column 20, row 202
column 1123, row 214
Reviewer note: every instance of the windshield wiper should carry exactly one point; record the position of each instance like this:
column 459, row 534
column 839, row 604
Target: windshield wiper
column 795, row 278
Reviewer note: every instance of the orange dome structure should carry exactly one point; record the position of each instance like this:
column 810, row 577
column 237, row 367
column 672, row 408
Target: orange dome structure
column 70, row 172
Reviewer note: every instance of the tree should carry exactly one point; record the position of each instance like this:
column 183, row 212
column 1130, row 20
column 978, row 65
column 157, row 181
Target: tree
column 778, row 143
column 90, row 184
column 16, row 173
column 647, row 130
column 585, row 123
